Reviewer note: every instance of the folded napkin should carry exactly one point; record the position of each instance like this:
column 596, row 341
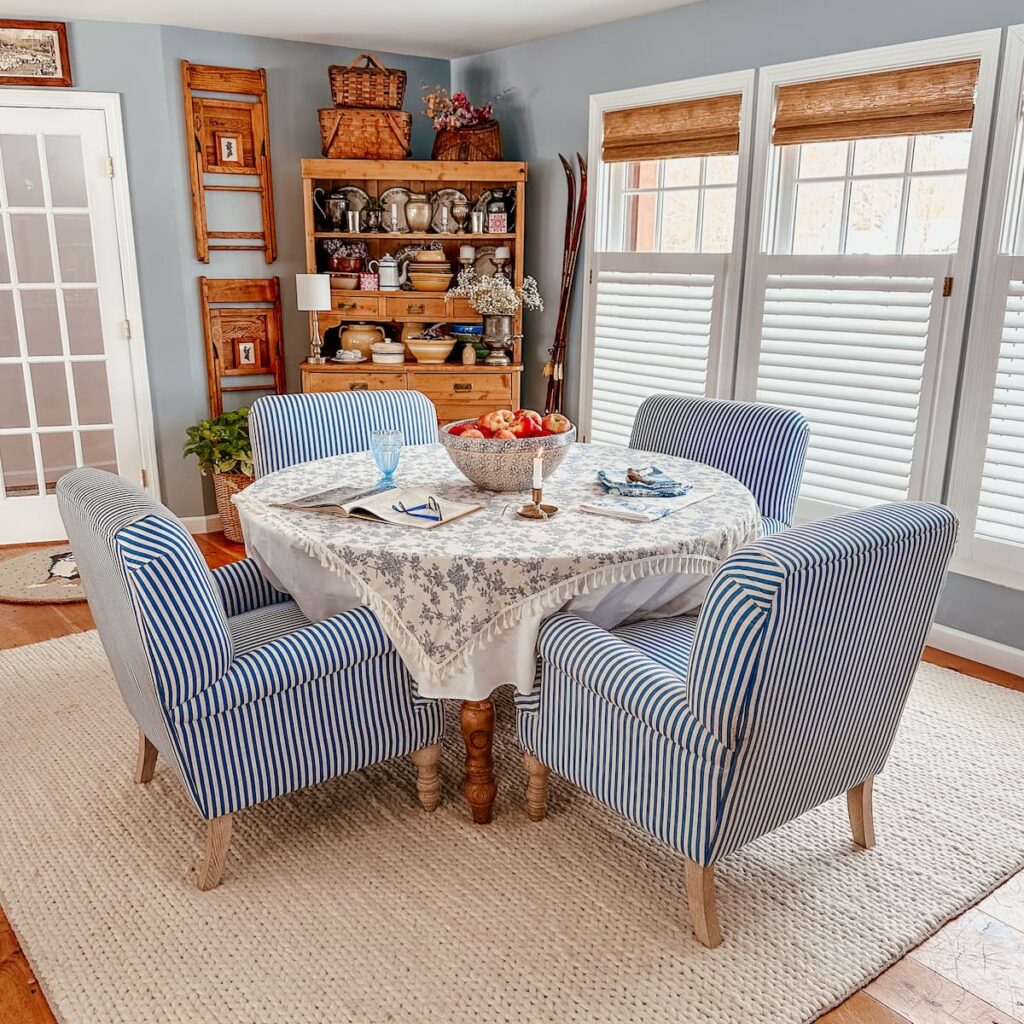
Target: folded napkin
column 657, row 484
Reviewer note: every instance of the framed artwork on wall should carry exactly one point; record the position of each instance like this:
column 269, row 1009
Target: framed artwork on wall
column 34, row 53
column 229, row 148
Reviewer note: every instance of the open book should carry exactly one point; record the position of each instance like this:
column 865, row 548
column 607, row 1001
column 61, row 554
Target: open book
column 402, row 506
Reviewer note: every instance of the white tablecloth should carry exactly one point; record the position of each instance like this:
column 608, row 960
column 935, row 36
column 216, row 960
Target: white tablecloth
column 463, row 602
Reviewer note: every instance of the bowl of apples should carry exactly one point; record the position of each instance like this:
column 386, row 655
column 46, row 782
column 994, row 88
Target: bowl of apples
column 496, row 450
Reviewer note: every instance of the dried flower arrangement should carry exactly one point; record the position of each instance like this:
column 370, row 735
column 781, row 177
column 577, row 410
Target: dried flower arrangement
column 454, row 110
column 494, row 294
column 339, row 247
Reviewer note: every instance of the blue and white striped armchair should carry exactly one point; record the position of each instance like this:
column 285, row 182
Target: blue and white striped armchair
column 288, row 429
column 242, row 696
column 763, row 446
column 786, row 691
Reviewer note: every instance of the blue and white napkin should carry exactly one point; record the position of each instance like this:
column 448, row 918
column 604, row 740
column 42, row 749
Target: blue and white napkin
column 659, row 484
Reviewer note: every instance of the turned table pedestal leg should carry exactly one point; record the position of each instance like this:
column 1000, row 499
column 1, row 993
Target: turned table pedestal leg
column 477, row 720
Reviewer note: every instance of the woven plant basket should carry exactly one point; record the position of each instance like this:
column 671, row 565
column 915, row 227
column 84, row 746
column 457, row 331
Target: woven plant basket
column 359, row 134
column 371, row 85
column 224, row 485
column 478, row 142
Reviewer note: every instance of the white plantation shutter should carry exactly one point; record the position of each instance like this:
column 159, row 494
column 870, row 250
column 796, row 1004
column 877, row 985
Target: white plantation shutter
column 853, row 348
column 1000, row 515
column 656, row 330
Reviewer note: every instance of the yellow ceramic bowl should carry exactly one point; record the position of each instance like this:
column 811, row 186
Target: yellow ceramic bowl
column 430, row 282
column 429, row 256
column 430, row 351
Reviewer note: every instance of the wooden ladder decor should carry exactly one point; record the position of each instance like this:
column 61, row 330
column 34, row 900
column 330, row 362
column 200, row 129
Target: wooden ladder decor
column 242, row 340
column 229, row 136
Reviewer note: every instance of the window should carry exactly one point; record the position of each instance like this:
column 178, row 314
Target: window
column 854, row 301
column 662, row 287
column 987, row 481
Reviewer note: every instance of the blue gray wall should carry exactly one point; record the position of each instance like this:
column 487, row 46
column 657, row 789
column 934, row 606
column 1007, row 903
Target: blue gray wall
column 142, row 64
column 546, row 113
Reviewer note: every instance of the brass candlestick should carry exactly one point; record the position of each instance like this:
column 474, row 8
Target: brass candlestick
column 537, row 510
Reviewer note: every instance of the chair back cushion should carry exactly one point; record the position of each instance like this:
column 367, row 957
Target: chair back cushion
column 763, row 446
column 805, row 651
column 156, row 607
column 288, row 429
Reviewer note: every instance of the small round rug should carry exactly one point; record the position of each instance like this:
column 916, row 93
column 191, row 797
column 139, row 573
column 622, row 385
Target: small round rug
column 44, row 576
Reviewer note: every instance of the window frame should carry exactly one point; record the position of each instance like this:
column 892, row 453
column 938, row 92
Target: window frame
column 1002, row 236
column 599, row 222
column 939, row 387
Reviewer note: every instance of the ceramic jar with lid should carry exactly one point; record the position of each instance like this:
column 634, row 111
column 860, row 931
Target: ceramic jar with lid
column 361, row 337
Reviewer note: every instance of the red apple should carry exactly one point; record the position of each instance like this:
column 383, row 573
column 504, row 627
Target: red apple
column 458, row 429
column 505, row 435
column 556, row 423
column 525, row 426
column 500, row 419
column 469, row 431
column 528, row 412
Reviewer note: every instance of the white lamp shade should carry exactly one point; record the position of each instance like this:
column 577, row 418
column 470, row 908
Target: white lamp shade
column 312, row 291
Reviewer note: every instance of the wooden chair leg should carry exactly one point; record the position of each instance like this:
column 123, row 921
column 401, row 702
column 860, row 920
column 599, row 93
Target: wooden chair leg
column 536, row 788
column 862, row 815
column 700, row 891
column 428, row 782
column 145, row 763
column 218, row 836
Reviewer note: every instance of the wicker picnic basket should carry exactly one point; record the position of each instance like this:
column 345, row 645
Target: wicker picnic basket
column 353, row 133
column 477, row 142
column 371, row 85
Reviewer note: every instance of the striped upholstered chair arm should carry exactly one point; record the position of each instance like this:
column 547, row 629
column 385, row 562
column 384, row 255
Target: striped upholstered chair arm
column 303, row 656
column 624, row 677
column 288, row 429
column 243, row 588
column 762, row 446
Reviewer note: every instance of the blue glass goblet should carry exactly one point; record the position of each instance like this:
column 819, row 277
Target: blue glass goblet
column 386, row 447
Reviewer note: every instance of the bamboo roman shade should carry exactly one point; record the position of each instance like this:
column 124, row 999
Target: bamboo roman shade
column 703, row 127
column 910, row 101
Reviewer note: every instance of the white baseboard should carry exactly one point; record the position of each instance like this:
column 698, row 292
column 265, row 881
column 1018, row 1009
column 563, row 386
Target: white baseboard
column 201, row 524
column 977, row 648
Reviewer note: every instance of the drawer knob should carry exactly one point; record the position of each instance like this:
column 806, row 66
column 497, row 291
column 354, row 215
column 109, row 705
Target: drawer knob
column 416, row 307
column 359, row 387
column 346, row 305
column 463, row 387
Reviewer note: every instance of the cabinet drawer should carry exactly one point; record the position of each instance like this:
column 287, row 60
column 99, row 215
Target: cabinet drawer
column 354, row 304
column 352, row 381
column 415, row 306
column 463, row 312
column 493, row 389
column 448, row 412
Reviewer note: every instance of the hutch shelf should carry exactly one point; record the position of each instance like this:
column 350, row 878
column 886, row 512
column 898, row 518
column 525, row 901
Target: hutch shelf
column 458, row 391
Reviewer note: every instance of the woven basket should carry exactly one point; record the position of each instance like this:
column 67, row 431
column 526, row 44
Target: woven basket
column 371, row 85
column 478, row 142
column 224, row 485
column 358, row 134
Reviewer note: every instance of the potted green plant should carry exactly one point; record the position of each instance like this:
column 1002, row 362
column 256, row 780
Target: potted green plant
column 223, row 449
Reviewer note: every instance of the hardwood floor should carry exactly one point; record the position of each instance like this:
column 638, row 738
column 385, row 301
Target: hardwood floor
column 970, row 972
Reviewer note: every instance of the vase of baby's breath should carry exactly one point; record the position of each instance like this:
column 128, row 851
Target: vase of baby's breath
column 497, row 301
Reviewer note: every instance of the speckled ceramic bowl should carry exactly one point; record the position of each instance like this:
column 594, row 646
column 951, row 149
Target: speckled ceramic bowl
column 502, row 465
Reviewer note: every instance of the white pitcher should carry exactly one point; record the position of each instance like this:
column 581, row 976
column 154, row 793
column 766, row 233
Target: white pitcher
column 391, row 276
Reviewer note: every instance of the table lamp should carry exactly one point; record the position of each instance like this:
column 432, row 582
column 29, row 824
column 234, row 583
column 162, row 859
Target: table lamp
column 313, row 293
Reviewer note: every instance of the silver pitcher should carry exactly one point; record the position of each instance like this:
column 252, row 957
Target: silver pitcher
column 498, row 337
column 332, row 208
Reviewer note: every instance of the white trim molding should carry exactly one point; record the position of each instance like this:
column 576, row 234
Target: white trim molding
column 977, row 648
column 109, row 104
column 202, row 524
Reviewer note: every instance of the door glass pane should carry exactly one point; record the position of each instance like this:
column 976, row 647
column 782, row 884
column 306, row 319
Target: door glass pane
column 31, row 247
column 679, row 222
column 42, row 328
column 98, row 449
column 74, row 247
column 819, row 214
column 874, row 216
column 5, row 263
column 92, row 397
column 880, row 156
column 50, row 391
column 22, row 175
column 58, row 451
column 18, row 461
column 66, row 170
column 14, row 407
column 8, row 328
column 82, row 313
column 933, row 214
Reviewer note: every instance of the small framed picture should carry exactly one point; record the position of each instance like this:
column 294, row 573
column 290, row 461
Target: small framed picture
column 34, row 53
column 229, row 148
column 245, row 352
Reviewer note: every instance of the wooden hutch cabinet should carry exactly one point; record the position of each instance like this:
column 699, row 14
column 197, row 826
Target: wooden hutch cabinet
column 457, row 390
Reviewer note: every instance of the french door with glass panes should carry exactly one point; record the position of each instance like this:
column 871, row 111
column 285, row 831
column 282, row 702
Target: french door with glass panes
column 66, row 374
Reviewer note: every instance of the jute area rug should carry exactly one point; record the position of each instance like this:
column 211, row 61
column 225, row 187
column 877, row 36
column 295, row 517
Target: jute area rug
column 348, row 903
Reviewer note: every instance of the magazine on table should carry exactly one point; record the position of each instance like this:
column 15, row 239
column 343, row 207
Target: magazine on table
column 635, row 510
column 418, row 507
